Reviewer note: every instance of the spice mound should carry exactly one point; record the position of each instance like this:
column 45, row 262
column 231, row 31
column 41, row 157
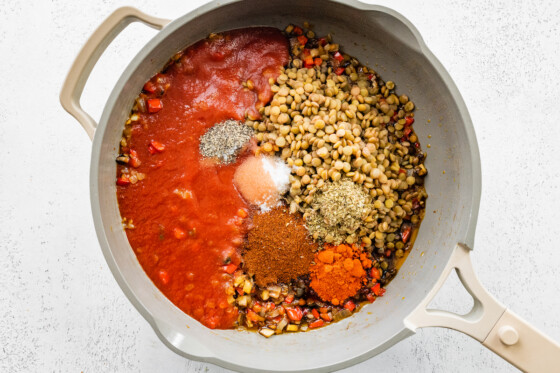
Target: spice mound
column 338, row 211
column 224, row 141
column 261, row 180
column 278, row 247
column 339, row 272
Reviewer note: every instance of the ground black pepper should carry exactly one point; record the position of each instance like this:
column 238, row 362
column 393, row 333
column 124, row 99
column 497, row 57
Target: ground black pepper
column 224, row 140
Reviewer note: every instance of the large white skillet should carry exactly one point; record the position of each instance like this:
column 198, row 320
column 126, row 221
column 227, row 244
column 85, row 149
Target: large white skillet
column 386, row 41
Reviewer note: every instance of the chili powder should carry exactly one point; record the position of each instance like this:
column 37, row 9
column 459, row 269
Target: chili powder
column 278, row 247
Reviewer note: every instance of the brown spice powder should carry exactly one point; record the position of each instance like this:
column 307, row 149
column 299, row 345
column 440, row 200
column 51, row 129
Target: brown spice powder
column 278, row 247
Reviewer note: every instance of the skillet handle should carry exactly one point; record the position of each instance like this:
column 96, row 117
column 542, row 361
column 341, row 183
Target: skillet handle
column 489, row 322
column 89, row 55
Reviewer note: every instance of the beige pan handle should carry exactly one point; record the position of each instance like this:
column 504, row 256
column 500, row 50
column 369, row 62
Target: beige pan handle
column 489, row 322
column 87, row 58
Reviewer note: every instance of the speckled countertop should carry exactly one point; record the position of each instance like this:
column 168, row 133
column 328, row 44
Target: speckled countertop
column 61, row 309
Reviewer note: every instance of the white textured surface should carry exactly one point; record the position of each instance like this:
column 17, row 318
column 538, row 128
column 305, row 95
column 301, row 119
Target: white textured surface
column 61, row 310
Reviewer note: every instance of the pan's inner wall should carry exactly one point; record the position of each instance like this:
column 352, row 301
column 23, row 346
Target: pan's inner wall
column 383, row 43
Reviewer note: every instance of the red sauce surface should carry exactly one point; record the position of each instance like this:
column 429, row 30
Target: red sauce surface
column 183, row 244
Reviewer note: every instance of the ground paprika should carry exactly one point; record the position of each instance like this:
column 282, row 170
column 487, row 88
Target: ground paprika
column 339, row 272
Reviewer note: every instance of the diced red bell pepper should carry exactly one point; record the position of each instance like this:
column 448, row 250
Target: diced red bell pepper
column 375, row 273
column 298, row 30
column 407, row 131
column 388, row 253
column 350, row 306
column 378, row 290
column 302, row 39
column 257, row 307
column 322, row 42
column 339, row 70
column 315, row 313
column 370, row 297
column 289, row 298
column 370, row 76
column 402, row 171
column 326, row 317
column 337, row 56
column 308, row 62
column 133, row 158
column 318, row 61
column 316, row 324
column 405, row 233
column 409, row 121
column 123, row 180
column 164, row 276
column 154, row 105
column 150, row 87
column 252, row 316
column 156, row 147
column 230, row 268
column 294, row 313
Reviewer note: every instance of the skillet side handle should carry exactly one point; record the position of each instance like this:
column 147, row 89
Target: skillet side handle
column 489, row 321
column 521, row 344
column 89, row 55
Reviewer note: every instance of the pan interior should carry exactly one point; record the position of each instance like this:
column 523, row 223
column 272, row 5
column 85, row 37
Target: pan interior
column 380, row 40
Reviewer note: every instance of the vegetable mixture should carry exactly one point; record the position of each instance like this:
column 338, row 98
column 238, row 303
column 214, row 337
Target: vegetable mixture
column 269, row 181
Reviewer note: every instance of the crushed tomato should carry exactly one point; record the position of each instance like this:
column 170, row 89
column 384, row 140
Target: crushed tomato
column 185, row 244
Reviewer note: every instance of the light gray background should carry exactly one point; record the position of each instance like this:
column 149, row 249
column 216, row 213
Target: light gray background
column 61, row 310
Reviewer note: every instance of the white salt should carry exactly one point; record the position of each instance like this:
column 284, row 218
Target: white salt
column 279, row 172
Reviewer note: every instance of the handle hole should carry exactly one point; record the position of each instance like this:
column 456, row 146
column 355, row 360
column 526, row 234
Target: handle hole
column 111, row 65
column 452, row 297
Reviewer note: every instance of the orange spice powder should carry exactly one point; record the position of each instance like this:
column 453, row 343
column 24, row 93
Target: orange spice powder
column 339, row 272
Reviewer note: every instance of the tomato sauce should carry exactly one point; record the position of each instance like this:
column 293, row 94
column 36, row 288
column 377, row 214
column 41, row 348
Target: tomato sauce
column 186, row 213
